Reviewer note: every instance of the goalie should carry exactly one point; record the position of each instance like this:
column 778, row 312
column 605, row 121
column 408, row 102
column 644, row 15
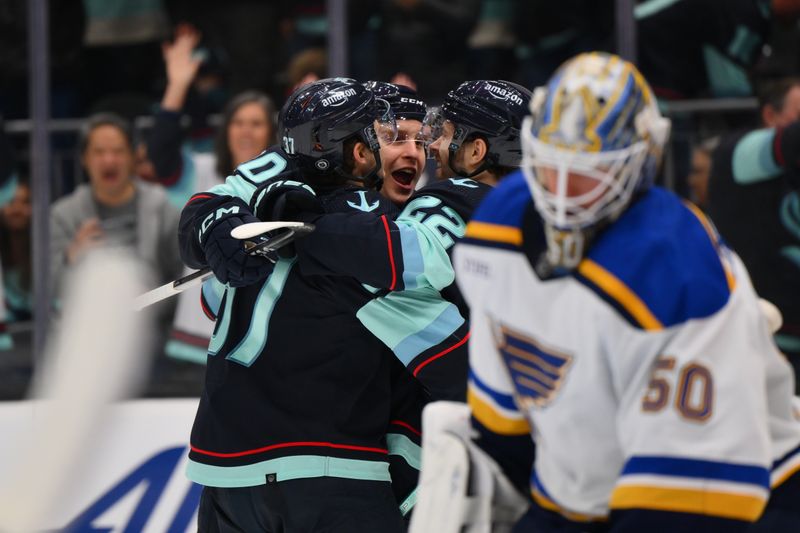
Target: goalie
column 612, row 328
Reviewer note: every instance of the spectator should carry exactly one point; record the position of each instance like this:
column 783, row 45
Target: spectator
column 305, row 67
column 116, row 209
column 754, row 199
column 700, row 171
column 247, row 129
column 15, row 252
column 719, row 43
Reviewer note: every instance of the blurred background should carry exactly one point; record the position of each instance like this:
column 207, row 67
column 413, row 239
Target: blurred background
column 170, row 67
column 113, row 112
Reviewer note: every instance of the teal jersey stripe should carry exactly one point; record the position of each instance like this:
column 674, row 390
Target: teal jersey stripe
column 186, row 352
column 409, row 502
column 235, row 186
column 437, row 331
column 404, row 447
column 254, row 342
column 212, row 292
column 752, row 158
column 413, row 265
column 410, row 322
column 286, row 468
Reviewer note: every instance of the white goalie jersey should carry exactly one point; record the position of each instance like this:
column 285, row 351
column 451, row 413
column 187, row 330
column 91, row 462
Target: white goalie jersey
column 648, row 376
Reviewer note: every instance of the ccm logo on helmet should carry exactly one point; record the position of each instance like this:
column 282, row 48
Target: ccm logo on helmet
column 339, row 98
column 503, row 94
column 412, row 101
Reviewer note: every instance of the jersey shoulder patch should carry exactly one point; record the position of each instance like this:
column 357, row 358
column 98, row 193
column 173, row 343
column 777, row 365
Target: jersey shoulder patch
column 660, row 264
column 498, row 221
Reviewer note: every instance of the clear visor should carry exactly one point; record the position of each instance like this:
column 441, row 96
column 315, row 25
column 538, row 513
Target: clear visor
column 575, row 189
column 408, row 131
column 433, row 127
column 385, row 125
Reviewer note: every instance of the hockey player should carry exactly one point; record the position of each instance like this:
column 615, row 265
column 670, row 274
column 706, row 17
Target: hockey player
column 402, row 160
column 290, row 434
column 613, row 327
column 424, row 320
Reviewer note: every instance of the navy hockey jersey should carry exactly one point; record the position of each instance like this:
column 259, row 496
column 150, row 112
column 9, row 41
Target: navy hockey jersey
column 419, row 312
column 295, row 385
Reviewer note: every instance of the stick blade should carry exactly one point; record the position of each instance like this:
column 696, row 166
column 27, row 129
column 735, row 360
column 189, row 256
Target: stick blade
column 254, row 229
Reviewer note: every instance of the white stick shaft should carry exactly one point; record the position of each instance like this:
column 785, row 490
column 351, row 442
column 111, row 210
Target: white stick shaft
column 254, row 229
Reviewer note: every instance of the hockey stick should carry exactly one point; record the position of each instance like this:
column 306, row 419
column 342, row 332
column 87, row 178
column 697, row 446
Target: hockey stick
column 243, row 232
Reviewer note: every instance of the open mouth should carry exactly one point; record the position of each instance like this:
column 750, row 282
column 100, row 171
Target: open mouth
column 404, row 177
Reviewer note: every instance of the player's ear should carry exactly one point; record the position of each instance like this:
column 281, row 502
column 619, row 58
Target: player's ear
column 477, row 151
column 362, row 155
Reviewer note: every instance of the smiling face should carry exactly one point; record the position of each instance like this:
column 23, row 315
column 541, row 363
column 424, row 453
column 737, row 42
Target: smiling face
column 108, row 159
column 402, row 161
column 248, row 132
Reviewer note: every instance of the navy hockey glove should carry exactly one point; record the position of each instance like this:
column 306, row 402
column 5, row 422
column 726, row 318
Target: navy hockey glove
column 227, row 257
column 287, row 200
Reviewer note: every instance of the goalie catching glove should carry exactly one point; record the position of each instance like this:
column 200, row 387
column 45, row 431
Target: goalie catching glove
column 461, row 488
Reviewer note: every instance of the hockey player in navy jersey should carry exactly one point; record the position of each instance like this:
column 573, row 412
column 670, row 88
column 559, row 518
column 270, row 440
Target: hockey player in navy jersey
column 423, row 318
column 291, row 430
column 612, row 327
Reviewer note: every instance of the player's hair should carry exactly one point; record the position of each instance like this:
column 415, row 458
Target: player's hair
column 773, row 92
column 222, row 149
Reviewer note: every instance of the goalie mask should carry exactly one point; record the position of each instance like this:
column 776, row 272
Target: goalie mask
column 594, row 139
column 319, row 118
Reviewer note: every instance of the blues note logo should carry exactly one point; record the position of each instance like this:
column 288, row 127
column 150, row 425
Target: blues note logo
column 537, row 371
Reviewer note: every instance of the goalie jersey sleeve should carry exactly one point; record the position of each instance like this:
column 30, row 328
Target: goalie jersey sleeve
column 655, row 395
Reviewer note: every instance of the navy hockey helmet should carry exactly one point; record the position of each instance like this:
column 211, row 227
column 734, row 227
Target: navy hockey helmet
column 319, row 118
column 492, row 110
column 404, row 101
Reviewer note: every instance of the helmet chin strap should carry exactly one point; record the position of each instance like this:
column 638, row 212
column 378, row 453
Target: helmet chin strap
column 462, row 172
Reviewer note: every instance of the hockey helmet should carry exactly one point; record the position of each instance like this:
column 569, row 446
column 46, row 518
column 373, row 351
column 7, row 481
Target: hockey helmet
column 319, row 118
column 490, row 109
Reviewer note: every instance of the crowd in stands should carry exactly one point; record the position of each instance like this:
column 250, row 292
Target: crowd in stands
column 228, row 66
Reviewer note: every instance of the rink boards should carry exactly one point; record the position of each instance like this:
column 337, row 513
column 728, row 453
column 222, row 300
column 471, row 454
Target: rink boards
column 130, row 475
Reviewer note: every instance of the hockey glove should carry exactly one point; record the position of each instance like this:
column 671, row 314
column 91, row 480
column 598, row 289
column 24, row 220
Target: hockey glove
column 286, row 200
column 227, row 257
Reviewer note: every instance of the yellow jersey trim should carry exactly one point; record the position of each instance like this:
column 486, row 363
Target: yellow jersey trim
column 494, row 232
column 721, row 504
column 620, row 292
column 546, row 503
column 494, row 421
